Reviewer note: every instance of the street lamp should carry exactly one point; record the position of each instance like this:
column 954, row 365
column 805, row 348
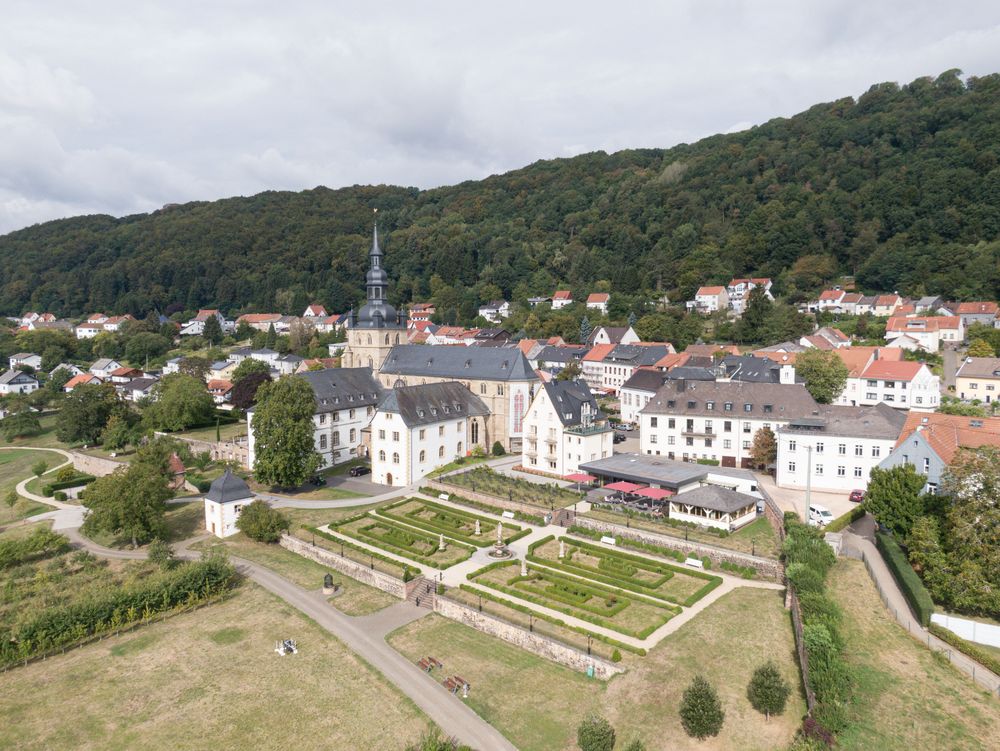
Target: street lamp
column 588, row 643
column 372, row 561
column 480, row 603
column 531, row 623
column 809, row 471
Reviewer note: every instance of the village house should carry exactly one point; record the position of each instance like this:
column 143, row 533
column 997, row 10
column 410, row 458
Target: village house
column 561, row 298
column 613, row 335
column 114, row 324
column 260, row 321
column 534, row 302
column 89, row 330
column 124, row 374
column 68, row 367
column 331, row 323
column 268, row 356
column 557, row 358
column 221, row 390
column 625, row 359
column 886, row 305
column 83, row 379
column 978, row 378
column 136, row 389
column 419, row 428
column 25, row 360
column 902, row 384
column 598, row 301
column 315, row 311
column 563, row 428
column 420, row 312
column 826, row 338
column 196, row 326
column 739, row 290
column 103, row 368
column 984, row 313
column 829, row 299
column 17, row 382
column 927, row 333
column 709, row 300
column 495, row 311
column 637, row 392
column 592, row 365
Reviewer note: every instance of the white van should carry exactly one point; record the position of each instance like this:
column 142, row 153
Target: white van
column 819, row 516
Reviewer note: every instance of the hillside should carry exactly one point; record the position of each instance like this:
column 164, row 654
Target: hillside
column 901, row 188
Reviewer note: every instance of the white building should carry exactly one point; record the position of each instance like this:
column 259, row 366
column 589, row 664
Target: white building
column 104, row 367
column 613, row 335
column 564, row 428
column 622, row 361
column 929, row 332
column 902, row 384
column 224, row 502
column 28, row 359
column 419, row 428
column 561, row 299
column 836, row 449
column 599, row 301
column 739, row 291
column 17, row 382
column 637, row 392
column 196, row 326
column 315, row 311
column 495, row 311
column 708, row 300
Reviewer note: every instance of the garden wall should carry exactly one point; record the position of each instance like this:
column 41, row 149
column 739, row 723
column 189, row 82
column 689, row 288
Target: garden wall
column 491, row 500
column 537, row 644
column 974, row 631
column 346, row 566
column 222, row 451
column 766, row 567
column 98, row 466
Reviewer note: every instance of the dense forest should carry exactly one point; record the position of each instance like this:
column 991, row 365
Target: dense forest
column 900, row 188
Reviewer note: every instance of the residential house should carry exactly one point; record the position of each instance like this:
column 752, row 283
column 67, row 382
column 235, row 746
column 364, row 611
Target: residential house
column 929, row 304
column 319, row 363
column 260, row 321
column 837, row 448
column 886, row 305
column 613, row 335
column 173, row 365
column 89, row 330
column 976, row 312
column 849, row 303
column 447, row 335
column 931, row 441
column 25, row 360
column 561, row 298
column 599, row 301
column 137, row 388
column 709, row 300
column 224, row 502
column 978, row 378
column 420, row 312
column 739, row 292
column 558, row 358
column 335, row 322
column 114, row 324
column 124, row 374
column 500, row 376
column 563, row 428
column 69, row 367
column 718, row 420
column 221, row 390
column 196, row 326
column 901, row 384
column 495, row 310
column 264, row 355
column 83, row 379
column 534, row 302
column 315, row 311
column 592, row 365
column 489, row 338
column 345, row 404
column 104, row 367
column 712, row 351
column 287, row 364
column 826, row 338
column 829, row 299
column 17, row 382
column 866, row 305
column 47, row 325
column 929, row 332
column 625, row 359
column 419, row 428
column 637, row 392
column 221, row 370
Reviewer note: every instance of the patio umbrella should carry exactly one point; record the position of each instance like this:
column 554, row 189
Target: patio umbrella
column 579, row 477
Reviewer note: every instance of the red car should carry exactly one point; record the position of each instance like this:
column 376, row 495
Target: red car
column 857, row 496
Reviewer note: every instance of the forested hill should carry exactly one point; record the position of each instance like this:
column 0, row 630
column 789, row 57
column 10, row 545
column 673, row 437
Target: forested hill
column 900, row 187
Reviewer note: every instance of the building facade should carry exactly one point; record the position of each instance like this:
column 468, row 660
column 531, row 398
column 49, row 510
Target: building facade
column 564, row 428
column 978, row 378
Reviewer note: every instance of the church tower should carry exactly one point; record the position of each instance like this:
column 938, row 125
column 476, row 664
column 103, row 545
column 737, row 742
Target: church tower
column 377, row 326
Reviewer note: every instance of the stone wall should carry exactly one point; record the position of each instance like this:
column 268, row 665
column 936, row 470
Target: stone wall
column 537, row 644
column 766, row 567
column 223, row 451
column 490, row 500
column 98, row 466
column 346, row 566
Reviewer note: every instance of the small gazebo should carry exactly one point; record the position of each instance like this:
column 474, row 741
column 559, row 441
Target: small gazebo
column 223, row 503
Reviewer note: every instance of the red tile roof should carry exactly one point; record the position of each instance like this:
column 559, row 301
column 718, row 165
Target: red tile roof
column 81, row 380
column 598, row 297
column 920, row 324
column 831, row 294
column 709, row 291
column 598, row 352
column 901, row 370
column 561, row 294
column 971, row 308
column 946, row 434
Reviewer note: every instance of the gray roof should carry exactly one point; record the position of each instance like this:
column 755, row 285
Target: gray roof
column 748, row 368
column 141, row 384
column 22, row 355
column 343, row 388
column 551, row 353
column 460, row 363
column 645, row 380
column 880, row 421
column 715, row 498
column 636, row 354
column 104, row 363
column 218, row 364
column 290, row 358
column 690, row 373
column 784, row 347
column 747, row 400
column 658, row 470
column 228, row 488
column 568, row 398
column 433, row 402
column 13, row 375
column 615, row 333
column 980, row 367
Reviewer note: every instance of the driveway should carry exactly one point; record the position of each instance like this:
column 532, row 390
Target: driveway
column 794, row 499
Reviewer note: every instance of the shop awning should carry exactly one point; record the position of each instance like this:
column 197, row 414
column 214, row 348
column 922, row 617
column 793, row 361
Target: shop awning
column 624, row 487
column 580, row 477
column 656, row 494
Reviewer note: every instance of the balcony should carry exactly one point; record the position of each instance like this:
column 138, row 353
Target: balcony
column 588, row 430
column 699, row 434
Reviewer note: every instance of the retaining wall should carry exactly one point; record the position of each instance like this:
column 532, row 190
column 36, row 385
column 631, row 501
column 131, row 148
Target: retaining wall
column 98, row 466
column 537, row 644
column 346, row 566
column 766, row 568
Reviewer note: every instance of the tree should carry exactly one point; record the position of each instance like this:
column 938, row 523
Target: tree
column 38, row 468
column 85, row 411
column 498, row 449
column 764, row 451
column 701, row 712
column 249, row 366
column 824, row 372
column 570, row 372
column 260, row 522
column 51, row 357
column 59, row 378
column 285, row 454
column 213, row 330
column 20, row 424
column 972, row 481
column 631, row 319
column 861, row 326
column 893, row 497
column 130, row 502
column 179, row 401
column 194, row 366
column 245, row 390
column 595, row 734
column 161, row 554
column 120, row 432
column 585, row 330
column 768, row 690
column 753, row 323
column 244, row 331
column 145, row 345
column 271, row 340
column 981, row 348
column 11, row 499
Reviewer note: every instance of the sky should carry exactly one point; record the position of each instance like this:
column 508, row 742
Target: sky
column 122, row 107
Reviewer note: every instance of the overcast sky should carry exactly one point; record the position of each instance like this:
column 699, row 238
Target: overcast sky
column 117, row 108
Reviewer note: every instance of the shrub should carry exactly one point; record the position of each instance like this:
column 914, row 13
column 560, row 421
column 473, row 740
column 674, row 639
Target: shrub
column 60, row 495
column 616, row 656
column 845, row 520
column 634, row 745
column 260, row 522
column 595, row 734
column 969, row 648
column 498, row 449
column 911, row 585
column 38, row 468
column 407, row 576
column 701, row 712
column 768, row 690
column 161, row 554
column 440, row 588
column 66, row 473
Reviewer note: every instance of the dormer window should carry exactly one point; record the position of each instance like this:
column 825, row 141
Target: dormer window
column 748, row 408
column 670, row 403
column 710, row 405
column 768, row 408
column 728, row 406
column 692, row 405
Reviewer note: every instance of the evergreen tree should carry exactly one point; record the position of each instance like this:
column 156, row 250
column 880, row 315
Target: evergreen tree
column 213, row 330
column 631, row 319
column 768, row 690
column 701, row 712
column 893, row 497
column 753, row 324
column 585, row 330
column 283, row 433
column 271, row 341
column 595, row 734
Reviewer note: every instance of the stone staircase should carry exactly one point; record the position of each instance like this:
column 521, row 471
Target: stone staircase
column 421, row 592
column 563, row 517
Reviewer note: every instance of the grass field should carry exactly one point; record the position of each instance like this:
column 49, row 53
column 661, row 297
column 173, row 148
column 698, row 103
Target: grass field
column 906, row 698
column 360, row 599
column 226, row 432
column 208, row 680
column 45, row 439
column 15, row 465
column 538, row 704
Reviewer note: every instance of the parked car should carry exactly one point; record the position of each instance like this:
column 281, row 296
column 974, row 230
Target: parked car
column 857, row 496
column 626, row 426
column 359, row 469
column 317, row 480
column 819, row 516
column 619, row 437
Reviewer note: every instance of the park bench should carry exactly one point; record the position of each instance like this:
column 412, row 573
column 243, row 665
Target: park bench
column 425, row 665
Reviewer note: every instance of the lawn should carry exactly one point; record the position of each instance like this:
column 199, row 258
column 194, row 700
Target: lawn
column 588, row 600
column 485, row 480
column 308, row 492
column 538, row 704
column 395, row 538
column 208, row 679
column 15, row 465
column 757, row 537
column 906, row 698
column 356, row 598
column 45, row 439
column 452, row 523
column 304, row 572
column 226, row 431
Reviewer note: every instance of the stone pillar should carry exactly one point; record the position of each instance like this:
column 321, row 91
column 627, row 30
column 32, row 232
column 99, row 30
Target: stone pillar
column 478, row 530
column 440, row 542
column 524, row 567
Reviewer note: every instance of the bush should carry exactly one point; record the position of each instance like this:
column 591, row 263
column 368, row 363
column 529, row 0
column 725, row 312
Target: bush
column 768, row 690
column 260, row 522
column 845, row 520
column 595, row 734
column 910, row 584
column 161, row 554
column 498, row 449
column 969, row 648
column 60, row 495
column 701, row 712
column 66, row 474
column 616, row 656
column 440, row 588
column 74, row 482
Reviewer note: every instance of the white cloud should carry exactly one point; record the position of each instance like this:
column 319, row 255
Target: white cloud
column 119, row 107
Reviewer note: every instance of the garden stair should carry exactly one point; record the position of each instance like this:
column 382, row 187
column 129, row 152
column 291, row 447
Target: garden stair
column 421, row 592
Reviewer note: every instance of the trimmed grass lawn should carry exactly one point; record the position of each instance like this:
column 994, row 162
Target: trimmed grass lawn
column 360, row 599
column 420, row 547
column 304, row 572
column 453, row 523
column 307, row 494
column 226, row 432
column 15, row 465
column 906, row 698
column 757, row 537
column 538, row 704
column 45, row 439
column 208, row 680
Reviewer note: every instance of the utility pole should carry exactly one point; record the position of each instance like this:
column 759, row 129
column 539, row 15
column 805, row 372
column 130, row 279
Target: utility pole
column 809, row 472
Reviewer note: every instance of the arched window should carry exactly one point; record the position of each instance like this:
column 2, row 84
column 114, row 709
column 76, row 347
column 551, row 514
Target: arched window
column 369, row 338
column 475, row 432
column 371, row 363
column 395, row 457
column 381, row 456
column 440, row 452
column 458, row 451
column 386, row 338
column 423, row 456
column 397, row 338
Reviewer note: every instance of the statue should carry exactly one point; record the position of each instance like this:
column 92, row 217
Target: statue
column 562, row 549
column 440, row 542
column 524, row 567
column 478, row 530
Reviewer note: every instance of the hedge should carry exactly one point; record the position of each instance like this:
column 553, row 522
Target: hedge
column 362, row 536
column 911, row 585
column 480, row 542
column 973, row 650
column 845, row 520
column 51, row 487
column 358, row 548
column 520, row 516
column 42, row 543
column 627, row 542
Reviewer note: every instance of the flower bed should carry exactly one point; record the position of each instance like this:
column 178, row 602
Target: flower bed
column 452, row 523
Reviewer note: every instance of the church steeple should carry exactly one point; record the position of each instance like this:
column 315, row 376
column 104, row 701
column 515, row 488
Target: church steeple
column 377, row 280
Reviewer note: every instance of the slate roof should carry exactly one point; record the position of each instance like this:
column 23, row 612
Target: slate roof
column 637, row 354
column 773, row 401
column 460, row 363
column 13, row 375
column 228, row 488
column 141, row 384
column 880, row 421
column 104, row 363
column 343, row 388
column 658, row 470
column 614, row 333
column 568, row 398
column 432, row 403
column 750, row 369
column 715, row 498
column 561, row 354
column 645, row 380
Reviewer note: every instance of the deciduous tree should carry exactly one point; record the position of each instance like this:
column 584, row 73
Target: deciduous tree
column 285, row 453
column 824, row 372
column 260, row 522
column 893, row 497
column 179, row 401
column 764, row 451
column 85, row 411
column 249, row 366
column 130, row 502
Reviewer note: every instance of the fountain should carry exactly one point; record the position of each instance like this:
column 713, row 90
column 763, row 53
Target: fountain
column 500, row 551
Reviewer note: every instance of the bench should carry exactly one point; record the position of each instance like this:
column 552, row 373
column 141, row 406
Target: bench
column 425, row 665
column 507, row 515
column 450, row 684
column 435, row 662
column 694, row 563
column 608, row 540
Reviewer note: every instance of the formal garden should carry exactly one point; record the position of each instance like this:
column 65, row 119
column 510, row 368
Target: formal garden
column 660, row 580
column 451, row 522
column 543, row 495
column 423, row 547
column 626, row 613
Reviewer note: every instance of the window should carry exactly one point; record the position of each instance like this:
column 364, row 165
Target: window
column 395, row 457
column 354, row 434
column 890, row 398
column 671, row 422
column 420, row 435
column 746, row 427
column 440, row 452
column 871, row 396
column 351, row 415
column 336, row 417
column 890, row 384
column 322, row 418
column 689, row 441
column 748, row 408
column 819, row 448
column 670, row 440
column 381, row 435
column 727, row 426
column 857, row 472
column 872, row 384
column 423, row 456
column 440, row 430
column 652, row 422
column 746, row 444
column 500, row 389
column 689, row 426
column 708, row 443
column 876, row 451
column 819, row 469
column 727, row 443
column 841, row 471
column 932, row 488
column 927, row 465
column 395, row 436
column 482, row 388
column 791, row 447
column 652, row 439
column 381, row 456
column 842, row 449
column 709, row 405
column 708, row 426
column 791, row 466
column 728, row 407
column 459, row 449
column 322, row 442
column 859, row 450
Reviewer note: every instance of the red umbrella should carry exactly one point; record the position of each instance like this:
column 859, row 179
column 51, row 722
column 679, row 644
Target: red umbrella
column 624, row 487
column 657, row 494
